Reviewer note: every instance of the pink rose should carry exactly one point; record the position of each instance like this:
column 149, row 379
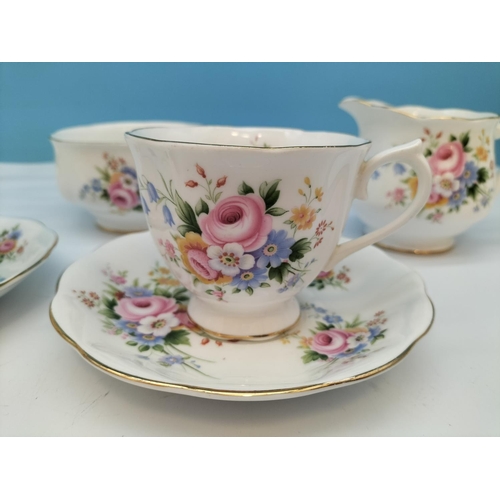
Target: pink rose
column 199, row 261
column 121, row 197
column 7, row 246
column 169, row 248
column 434, row 197
column 184, row 319
column 139, row 307
column 450, row 158
column 237, row 219
column 330, row 342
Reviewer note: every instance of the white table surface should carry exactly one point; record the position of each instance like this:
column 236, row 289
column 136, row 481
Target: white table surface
column 449, row 385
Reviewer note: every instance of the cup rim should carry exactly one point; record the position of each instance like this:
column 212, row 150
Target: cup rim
column 363, row 142
column 109, row 125
column 405, row 111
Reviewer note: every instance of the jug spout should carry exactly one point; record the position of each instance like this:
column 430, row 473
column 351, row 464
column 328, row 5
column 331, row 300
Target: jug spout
column 360, row 109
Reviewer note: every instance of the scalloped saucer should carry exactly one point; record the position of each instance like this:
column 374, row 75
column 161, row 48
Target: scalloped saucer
column 123, row 311
column 24, row 245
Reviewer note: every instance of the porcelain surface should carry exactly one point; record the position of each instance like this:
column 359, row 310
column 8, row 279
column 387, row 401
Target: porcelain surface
column 246, row 218
column 125, row 313
column 459, row 147
column 96, row 171
column 24, row 245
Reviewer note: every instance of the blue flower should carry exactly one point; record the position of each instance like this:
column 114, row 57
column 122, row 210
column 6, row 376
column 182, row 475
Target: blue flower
column 276, row 249
column 127, row 326
column 456, row 198
column 148, row 339
column 137, row 291
column 96, row 185
column 374, row 331
column 172, row 360
column 375, row 175
column 332, row 319
column 167, row 215
column 85, row 189
column 251, row 278
column 469, row 176
column 153, row 194
column 484, row 201
column 130, row 171
column 351, row 352
column 145, row 206
column 14, row 235
column 399, row 169
column 320, row 310
column 291, row 282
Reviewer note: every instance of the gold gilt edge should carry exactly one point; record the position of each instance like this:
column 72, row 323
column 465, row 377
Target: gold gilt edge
column 38, row 262
column 236, row 393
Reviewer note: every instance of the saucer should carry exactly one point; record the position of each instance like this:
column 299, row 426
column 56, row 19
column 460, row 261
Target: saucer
column 24, row 245
column 355, row 323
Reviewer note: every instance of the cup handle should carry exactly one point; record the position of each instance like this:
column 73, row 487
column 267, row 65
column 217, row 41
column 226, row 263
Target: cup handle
column 411, row 154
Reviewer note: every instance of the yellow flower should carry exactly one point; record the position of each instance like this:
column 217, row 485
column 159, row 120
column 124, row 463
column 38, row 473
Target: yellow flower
column 168, row 281
column 413, row 185
column 164, row 270
column 301, row 192
column 307, row 181
column 285, row 340
column 193, row 241
column 115, row 177
column 303, row 217
column 305, row 342
column 319, row 193
column 481, row 153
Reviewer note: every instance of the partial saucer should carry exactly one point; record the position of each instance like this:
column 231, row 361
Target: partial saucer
column 24, row 245
column 126, row 314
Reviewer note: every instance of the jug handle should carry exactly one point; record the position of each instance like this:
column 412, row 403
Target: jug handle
column 411, row 154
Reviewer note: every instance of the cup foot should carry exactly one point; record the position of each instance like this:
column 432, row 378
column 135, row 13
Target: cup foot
column 437, row 247
column 111, row 225
column 229, row 321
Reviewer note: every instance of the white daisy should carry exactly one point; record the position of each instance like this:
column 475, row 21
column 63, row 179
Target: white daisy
column 445, row 184
column 230, row 259
column 158, row 325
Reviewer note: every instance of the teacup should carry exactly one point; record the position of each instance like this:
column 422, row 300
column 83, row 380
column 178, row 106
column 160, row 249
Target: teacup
column 248, row 217
column 459, row 146
column 96, row 171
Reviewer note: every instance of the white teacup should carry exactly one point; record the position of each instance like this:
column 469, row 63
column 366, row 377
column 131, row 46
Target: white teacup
column 248, row 217
column 96, row 171
column 459, row 146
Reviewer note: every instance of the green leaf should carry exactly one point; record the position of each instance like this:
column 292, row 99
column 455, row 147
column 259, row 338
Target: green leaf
column 109, row 314
column 158, row 348
column 452, row 138
column 218, row 288
column 143, row 348
column 209, row 292
column 135, row 282
column 276, row 212
column 288, row 222
column 177, row 337
column 201, row 207
column 313, row 356
column 109, row 303
column 265, row 285
column 249, row 290
column 186, row 214
column 163, row 292
column 482, row 175
column 279, row 273
column 299, row 249
column 236, row 290
column 217, row 196
column 131, row 342
column 185, row 228
column 244, row 188
column 427, row 152
column 269, row 192
column 467, row 149
column 472, row 191
column 321, row 326
column 464, row 139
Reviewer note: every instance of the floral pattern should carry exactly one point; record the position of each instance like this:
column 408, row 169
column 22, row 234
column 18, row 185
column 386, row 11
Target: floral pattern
column 116, row 184
column 332, row 279
column 150, row 317
column 230, row 244
column 336, row 340
column 460, row 173
column 10, row 246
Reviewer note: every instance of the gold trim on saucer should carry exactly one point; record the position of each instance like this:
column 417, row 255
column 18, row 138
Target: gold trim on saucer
column 235, row 393
column 415, row 251
column 38, row 262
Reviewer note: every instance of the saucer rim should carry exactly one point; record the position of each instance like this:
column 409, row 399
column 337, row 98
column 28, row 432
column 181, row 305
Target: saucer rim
column 309, row 388
column 32, row 267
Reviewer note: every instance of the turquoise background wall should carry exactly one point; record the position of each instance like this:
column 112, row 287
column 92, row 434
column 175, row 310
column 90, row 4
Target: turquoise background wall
column 39, row 98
